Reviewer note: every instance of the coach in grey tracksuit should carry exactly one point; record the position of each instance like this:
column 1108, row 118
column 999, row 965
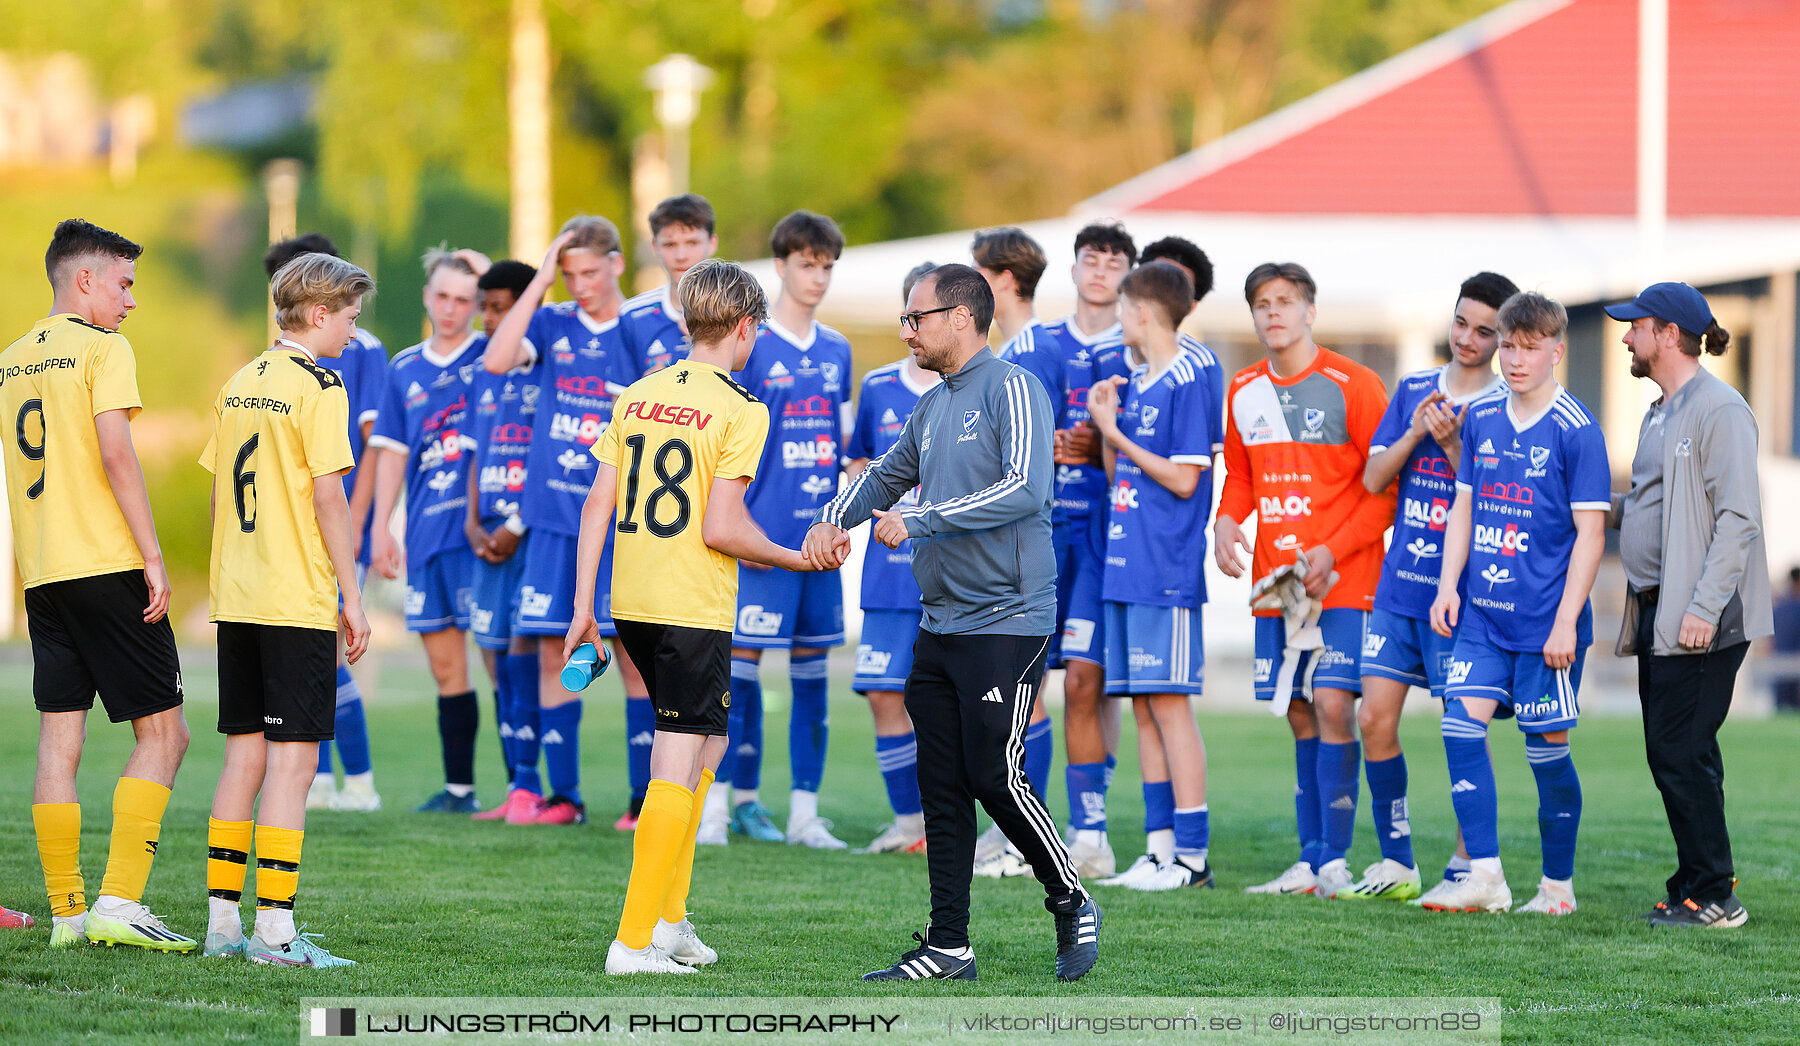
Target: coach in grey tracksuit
column 1691, row 543
column 978, row 446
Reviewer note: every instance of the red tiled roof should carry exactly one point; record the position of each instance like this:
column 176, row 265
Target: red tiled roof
column 1531, row 110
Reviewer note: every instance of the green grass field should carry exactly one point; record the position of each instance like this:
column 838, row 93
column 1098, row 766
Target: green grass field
column 443, row 907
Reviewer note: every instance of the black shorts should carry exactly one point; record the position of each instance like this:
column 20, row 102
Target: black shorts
column 687, row 671
column 277, row 680
column 88, row 634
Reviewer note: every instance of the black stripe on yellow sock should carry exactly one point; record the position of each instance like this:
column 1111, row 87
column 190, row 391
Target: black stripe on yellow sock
column 277, row 866
column 264, row 902
column 234, row 896
column 219, row 853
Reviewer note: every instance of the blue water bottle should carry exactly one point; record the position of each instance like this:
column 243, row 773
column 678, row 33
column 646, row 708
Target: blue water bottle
column 587, row 664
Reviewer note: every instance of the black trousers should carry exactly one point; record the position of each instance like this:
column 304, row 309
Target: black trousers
column 969, row 697
column 1685, row 698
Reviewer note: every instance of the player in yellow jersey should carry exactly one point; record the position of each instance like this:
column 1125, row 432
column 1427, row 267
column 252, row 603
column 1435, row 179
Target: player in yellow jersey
column 96, row 591
column 281, row 554
column 685, row 442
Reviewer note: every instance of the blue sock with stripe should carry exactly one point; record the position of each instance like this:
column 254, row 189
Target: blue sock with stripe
column 1193, row 833
column 1040, row 749
column 503, row 717
column 521, row 670
column 1306, row 801
column 1087, row 796
column 1339, row 786
column 809, row 720
column 898, row 757
column 1112, row 763
column 746, row 694
column 640, row 733
column 350, row 725
column 1387, row 801
column 1472, row 791
column 1559, row 803
column 562, row 748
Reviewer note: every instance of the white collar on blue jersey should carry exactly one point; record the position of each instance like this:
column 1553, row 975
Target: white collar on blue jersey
column 812, row 334
column 444, row 361
column 1116, row 332
column 593, row 325
column 1521, row 426
column 310, row 355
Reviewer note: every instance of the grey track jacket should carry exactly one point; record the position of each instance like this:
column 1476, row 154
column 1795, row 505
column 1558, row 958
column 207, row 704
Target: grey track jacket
column 978, row 448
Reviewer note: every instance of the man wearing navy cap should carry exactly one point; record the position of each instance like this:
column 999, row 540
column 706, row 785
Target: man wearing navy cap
column 1691, row 542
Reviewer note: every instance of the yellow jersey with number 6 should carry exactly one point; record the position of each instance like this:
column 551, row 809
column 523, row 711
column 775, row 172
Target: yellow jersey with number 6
column 53, row 383
column 280, row 423
column 672, row 434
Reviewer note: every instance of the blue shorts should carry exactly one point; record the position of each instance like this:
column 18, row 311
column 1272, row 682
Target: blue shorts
column 1405, row 648
column 884, row 657
column 1544, row 699
column 546, row 600
column 779, row 609
column 437, row 591
column 495, row 597
column 1080, row 570
column 1153, row 650
column 1337, row 663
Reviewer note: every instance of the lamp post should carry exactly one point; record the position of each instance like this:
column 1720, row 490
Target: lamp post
column 676, row 83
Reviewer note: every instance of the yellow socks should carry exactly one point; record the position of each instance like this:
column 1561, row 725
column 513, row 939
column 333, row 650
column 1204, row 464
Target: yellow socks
column 137, row 823
column 675, row 904
column 59, row 850
column 277, row 867
column 227, row 857
column 661, row 830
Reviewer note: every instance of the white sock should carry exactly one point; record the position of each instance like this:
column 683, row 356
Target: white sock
column 275, row 925
column 740, row 796
column 1458, row 864
column 111, row 906
column 965, row 952
column 222, row 916
column 325, row 776
column 1195, row 860
column 1489, row 865
column 1090, row 837
column 79, row 922
column 802, row 806
column 1561, row 884
column 715, row 810
column 910, row 822
column 459, row 790
column 364, row 781
column 1160, row 844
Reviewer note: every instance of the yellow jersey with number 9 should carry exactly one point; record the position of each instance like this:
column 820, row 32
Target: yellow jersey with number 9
column 53, row 383
column 280, row 423
column 672, row 434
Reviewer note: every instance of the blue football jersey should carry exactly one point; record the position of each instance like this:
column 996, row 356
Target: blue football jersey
column 425, row 415
column 1214, row 378
column 584, row 364
column 505, row 410
column 1528, row 478
column 1035, row 349
column 1081, row 489
column 1156, row 541
column 887, row 399
column 651, row 329
column 801, row 380
column 1409, row 575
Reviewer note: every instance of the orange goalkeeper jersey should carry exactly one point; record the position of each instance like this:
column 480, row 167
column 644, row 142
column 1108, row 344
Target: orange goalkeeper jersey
column 1295, row 449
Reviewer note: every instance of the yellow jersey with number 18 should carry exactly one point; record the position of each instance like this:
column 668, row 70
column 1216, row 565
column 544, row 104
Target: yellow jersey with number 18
column 280, row 423
column 672, row 434
column 53, row 383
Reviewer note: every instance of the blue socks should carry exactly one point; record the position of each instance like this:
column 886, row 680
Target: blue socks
column 746, row 691
column 1472, row 782
column 351, row 728
column 1559, row 804
column 1306, row 801
column 809, row 721
column 562, row 748
column 898, row 757
column 1087, row 796
column 459, row 718
column 1193, row 832
column 1159, row 806
column 521, row 672
column 1339, row 786
column 1387, row 801
column 640, row 732
column 1040, row 748
column 503, row 713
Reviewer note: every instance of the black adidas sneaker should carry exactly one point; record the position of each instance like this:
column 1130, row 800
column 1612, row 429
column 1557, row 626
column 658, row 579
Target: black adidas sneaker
column 1713, row 915
column 926, row 963
column 1077, row 940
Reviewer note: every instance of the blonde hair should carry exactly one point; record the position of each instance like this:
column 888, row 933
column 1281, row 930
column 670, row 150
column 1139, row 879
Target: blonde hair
column 315, row 279
column 592, row 233
column 1529, row 312
column 718, row 295
column 442, row 257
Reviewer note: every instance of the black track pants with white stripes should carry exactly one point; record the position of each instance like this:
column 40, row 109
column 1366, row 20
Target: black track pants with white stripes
column 969, row 697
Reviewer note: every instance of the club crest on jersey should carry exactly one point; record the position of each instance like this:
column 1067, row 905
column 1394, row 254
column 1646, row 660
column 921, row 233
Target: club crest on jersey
column 1315, row 420
column 1539, row 456
column 970, row 417
column 1684, row 448
column 831, row 375
column 1148, row 417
